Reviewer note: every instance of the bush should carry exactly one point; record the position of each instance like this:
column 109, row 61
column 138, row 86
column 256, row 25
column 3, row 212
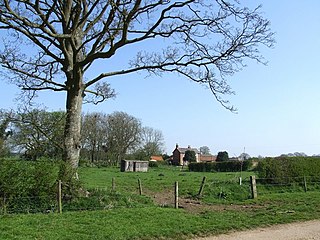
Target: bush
column 153, row 164
column 288, row 169
column 27, row 186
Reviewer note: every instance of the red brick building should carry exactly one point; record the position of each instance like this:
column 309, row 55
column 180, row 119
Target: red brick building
column 179, row 152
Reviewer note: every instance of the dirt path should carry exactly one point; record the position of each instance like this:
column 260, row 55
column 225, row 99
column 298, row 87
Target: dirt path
column 294, row 231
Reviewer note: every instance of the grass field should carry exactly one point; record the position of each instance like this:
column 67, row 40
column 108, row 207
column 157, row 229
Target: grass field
column 149, row 221
column 162, row 179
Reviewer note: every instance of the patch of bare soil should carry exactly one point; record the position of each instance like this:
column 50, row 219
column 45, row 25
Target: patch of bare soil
column 196, row 206
column 309, row 230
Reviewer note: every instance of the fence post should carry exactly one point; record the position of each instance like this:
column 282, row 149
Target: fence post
column 201, row 187
column 113, row 184
column 59, row 196
column 305, row 184
column 253, row 187
column 176, row 195
column 140, row 187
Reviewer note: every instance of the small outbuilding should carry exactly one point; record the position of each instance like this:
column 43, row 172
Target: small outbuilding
column 134, row 166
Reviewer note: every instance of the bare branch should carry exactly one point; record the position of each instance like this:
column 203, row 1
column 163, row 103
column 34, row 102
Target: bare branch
column 205, row 41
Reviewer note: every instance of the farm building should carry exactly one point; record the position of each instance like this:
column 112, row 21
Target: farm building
column 134, row 166
column 178, row 155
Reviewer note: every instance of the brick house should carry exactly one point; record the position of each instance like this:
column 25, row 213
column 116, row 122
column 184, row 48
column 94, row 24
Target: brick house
column 178, row 154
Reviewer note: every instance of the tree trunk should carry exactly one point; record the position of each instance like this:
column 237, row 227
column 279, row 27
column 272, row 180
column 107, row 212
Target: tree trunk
column 72, row 131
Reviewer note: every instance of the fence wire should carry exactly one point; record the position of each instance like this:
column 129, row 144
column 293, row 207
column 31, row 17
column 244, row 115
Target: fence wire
column 149, row 193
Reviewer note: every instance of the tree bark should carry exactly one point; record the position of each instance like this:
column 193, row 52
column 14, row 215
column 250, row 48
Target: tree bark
column 72, row 132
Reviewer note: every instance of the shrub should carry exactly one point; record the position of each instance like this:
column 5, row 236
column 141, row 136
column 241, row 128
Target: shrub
column 27, row 186
column 153, row 164
column 222, row 156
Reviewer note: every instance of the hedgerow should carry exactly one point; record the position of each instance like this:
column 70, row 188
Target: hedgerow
column 288, row 169
column 227, row 166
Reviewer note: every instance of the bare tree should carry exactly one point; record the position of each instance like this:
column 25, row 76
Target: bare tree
column 94, row 134
column 152, row 141
column 205, row 150
column 208, row 40
column 124, row 135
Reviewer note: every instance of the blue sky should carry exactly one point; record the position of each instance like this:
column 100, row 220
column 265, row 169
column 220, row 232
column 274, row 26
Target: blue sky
column 278, row 104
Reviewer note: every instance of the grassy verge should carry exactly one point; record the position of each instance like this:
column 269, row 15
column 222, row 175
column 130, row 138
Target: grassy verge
column 161, row 223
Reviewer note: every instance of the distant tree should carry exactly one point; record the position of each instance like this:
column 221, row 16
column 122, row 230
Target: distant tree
column 38, row 133
column 4, row 132
column 51, row 45
column 35, row 132
column 190, row 156
column 123, row 135
column 204, row 150
column 152, row 141
column 222, row 156
column 300, row 154
column 244, row 156
column 296, row 154
column 94, row 135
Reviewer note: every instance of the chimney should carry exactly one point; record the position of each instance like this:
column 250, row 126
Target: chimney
column 177, row 146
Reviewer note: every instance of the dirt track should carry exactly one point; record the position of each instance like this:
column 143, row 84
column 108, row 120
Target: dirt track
column 294, row 231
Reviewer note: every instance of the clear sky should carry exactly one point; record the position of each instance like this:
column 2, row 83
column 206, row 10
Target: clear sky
column 278, row 104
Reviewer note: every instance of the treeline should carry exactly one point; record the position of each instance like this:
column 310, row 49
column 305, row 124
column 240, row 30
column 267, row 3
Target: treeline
column 105, row 138
column 221, row 166
column 288, row 169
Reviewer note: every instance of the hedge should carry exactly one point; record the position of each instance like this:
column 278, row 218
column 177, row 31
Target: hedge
column 27, row 186
column 227, row 166
column 289, row 169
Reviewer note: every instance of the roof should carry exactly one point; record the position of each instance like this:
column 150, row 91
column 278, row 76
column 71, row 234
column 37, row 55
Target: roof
column 157, row 158
column 183, row 150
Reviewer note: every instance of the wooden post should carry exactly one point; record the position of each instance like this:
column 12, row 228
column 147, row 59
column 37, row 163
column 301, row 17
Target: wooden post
column 140, row 187
column 59, row 196
column 176, row 195
column 201, row 187
column 113, row 184
column 305, row 184
column 253, row 187
column 240, row 181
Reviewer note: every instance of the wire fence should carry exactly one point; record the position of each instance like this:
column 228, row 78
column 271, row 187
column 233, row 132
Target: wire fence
column 288, row 184
column 142, row 194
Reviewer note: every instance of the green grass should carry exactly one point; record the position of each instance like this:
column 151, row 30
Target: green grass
column 160, row 223
column 156, row 180
column 136, row 217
